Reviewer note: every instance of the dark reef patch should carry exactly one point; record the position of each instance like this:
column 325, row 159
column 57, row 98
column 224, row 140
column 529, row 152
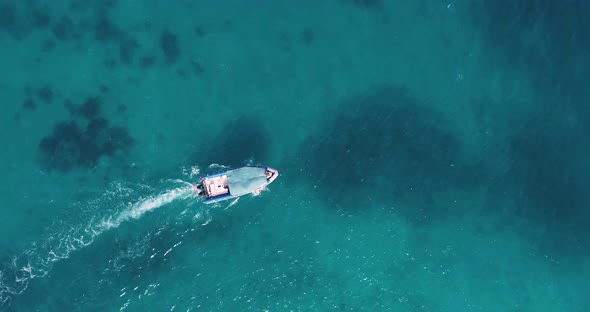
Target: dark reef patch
column 40, row 18
column 307, row 36
column 366, row 4
column 83, row 140
column 104, row 89
column 66, row 147
column 90, row 109
column 83, row 6
column 110, row 4
column 198, row 69
column 95, row 126
column 78, row 5
column 169, row 46
column 127, row 50
column 546, row 38
column 181, row 73
column 19, row 21
column 105, row 30
column 147, row 61
column 199, row 31
column 7, row 17
column 48, row 45
column 548, row 179
column 29, row 104
column 385, row 145
column 45, row 94
column 64, row 29
column 240, row 140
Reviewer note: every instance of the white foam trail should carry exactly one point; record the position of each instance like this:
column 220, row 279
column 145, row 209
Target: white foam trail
column 138, row 209
column 3, row 290
column 37, row 261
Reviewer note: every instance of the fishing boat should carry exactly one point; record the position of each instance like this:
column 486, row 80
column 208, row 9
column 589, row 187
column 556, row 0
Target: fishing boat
column 234, row 183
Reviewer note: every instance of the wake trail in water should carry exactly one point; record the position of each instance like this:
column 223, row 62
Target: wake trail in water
column 148, row 204
column 120, row 207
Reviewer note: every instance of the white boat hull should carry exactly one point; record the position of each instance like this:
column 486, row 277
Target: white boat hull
column 235, row 183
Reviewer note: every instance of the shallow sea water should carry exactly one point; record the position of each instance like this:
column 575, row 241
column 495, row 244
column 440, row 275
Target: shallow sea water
column 432, row 155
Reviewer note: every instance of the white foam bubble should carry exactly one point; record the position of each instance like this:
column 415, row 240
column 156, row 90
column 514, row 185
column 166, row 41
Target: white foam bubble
column 171, row 248
column 191, row 172
column 259, row 191
column 4, row 289
column 233, row 202
column 217, row 166
column 206, row 221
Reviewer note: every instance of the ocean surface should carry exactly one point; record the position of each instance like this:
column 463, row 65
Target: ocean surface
column 433, row 155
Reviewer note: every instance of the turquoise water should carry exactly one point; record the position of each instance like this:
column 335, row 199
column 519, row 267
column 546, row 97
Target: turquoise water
column 432, row 155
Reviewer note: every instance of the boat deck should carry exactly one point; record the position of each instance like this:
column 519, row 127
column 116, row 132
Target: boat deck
column 216, row 186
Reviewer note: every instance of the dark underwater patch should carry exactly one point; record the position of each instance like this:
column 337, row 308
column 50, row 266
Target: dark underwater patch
column 7, row 17
column 365, row 4
column 83, row 140
column 104, row 89
column 29, row 104
column 66, row 147
column 78, row 5
column 40, row 18
column 18, row 21
column 90, row 109
column 48, row 45
column 82, row 6
column 181, row 73
column 105, row 30
column 64, row 29
column 127, row 50
column 548, row 177
column 169, row 46
column 147, row 61
column 110, row 4
column 382, row 145
column 199, row 31
column 198, row 69
column 307, row 36
column 240, row 140
column 547, row 38
column 45, row 94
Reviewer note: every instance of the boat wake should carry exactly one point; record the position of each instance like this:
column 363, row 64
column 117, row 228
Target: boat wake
column 119, row 204
column 138, row 209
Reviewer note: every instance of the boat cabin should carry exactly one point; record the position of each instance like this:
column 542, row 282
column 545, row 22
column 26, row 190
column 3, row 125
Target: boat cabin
column 215, row 186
